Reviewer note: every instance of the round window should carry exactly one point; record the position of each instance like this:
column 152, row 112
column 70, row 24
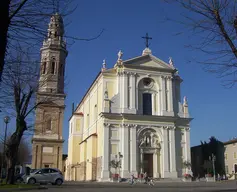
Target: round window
column 146, row 81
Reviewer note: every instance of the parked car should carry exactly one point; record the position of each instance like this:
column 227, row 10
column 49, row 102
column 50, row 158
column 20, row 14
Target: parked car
column 45, row 175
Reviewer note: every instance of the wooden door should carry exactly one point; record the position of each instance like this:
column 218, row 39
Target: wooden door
column 148, row 164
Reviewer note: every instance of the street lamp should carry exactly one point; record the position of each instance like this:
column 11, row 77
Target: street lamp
column 213, row 159
column 6, row 121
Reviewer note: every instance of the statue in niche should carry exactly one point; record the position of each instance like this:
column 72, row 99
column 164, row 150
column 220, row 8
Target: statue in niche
column 142, row 142
column 149, row 139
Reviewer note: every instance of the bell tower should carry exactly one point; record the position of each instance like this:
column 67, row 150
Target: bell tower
column 47, row 142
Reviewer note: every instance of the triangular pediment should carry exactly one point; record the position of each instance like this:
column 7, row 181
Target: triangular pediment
column 148, row 61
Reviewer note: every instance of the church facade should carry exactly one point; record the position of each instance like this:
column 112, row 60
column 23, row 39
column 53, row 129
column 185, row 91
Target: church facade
column 130, row 121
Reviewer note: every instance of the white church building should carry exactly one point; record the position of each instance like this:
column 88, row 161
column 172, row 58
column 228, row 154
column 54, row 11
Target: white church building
column 132, row 113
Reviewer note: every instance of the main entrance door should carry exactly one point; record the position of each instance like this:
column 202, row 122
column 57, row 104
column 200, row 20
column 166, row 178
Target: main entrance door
column 148, row 164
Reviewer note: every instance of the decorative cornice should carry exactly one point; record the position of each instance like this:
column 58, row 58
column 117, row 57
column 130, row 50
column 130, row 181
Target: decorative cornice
column 166, row 77
column 169, row 127
column 107, row 125
column 187, row 128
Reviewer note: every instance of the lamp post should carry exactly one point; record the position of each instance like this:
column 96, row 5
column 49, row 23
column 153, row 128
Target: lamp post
column 6, row 121
column 213, row 159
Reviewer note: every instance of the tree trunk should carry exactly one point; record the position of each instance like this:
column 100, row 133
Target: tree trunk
column 4, row 23
column 12, row 148
column 11, row 169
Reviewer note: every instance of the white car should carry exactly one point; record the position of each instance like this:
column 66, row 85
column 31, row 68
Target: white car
column 45, row 175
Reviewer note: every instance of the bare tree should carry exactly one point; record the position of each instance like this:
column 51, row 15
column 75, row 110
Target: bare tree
column 18, row 97
column 214, row 23
column 24, row 22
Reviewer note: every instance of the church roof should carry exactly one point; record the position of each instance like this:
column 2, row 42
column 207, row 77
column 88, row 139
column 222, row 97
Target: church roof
column 148, row 61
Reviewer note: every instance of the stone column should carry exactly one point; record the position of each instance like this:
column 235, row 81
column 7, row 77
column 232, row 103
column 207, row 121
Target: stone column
column 170, row 96
column 141, row 161
column 125, row 151
column 40, row 157
column 133, row 92
column 105, row 173
column 154, row 104
column 165, row 151
column 159, row 108
column 124, row 92
column 163, row 95
column 173, row 171
column 133, row 150
column 156, row 164
column 187, row 144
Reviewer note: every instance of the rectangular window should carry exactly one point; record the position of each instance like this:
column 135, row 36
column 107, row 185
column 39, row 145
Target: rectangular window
column 234, row 155
column 114, row 149
column 147, row 104
column 226, row 156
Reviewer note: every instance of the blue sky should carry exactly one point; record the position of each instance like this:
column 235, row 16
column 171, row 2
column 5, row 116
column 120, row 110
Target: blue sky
column 212, row 106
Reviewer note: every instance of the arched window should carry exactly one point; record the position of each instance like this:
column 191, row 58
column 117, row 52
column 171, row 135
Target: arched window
column 147, row 104
column 53, row 66
column 43, row 67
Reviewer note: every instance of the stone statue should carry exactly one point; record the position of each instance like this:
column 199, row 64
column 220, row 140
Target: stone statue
column 142, row 142
column 120, row 54
column 106, row 94
column 185, row 100
column 171, row 61
column 104, row 64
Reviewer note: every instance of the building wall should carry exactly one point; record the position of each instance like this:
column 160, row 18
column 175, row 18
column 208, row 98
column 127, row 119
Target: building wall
column 230, row 155
column 82, row 149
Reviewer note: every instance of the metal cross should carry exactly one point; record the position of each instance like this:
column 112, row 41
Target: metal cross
column 147, row 40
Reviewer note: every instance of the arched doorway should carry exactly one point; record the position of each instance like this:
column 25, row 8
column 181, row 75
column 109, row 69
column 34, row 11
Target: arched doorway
column 149, row 147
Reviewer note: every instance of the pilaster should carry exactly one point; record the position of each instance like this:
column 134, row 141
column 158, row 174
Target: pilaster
column 172, row 152
column 166, row 162
column 160, row 102
column 170, row 96
column 133, row 92
column 154, row 104
column 163, row 95
column 105, row 173
column 124, row 92
column 187, row 144
column 125, row 150
column 133, row 150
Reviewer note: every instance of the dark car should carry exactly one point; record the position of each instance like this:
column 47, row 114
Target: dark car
column 19, row 177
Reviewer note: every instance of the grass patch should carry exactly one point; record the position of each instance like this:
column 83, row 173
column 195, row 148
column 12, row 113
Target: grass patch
column 6, row 186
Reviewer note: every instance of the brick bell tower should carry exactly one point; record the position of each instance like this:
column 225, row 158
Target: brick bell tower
column 47, row 142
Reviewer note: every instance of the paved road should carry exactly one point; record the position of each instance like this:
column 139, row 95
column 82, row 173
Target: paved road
column 228, row 186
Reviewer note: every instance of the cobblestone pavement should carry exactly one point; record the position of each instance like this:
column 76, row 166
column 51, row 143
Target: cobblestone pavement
column 125, row 187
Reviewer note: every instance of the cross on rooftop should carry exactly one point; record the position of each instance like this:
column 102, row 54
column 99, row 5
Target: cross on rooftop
column 147, row 38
